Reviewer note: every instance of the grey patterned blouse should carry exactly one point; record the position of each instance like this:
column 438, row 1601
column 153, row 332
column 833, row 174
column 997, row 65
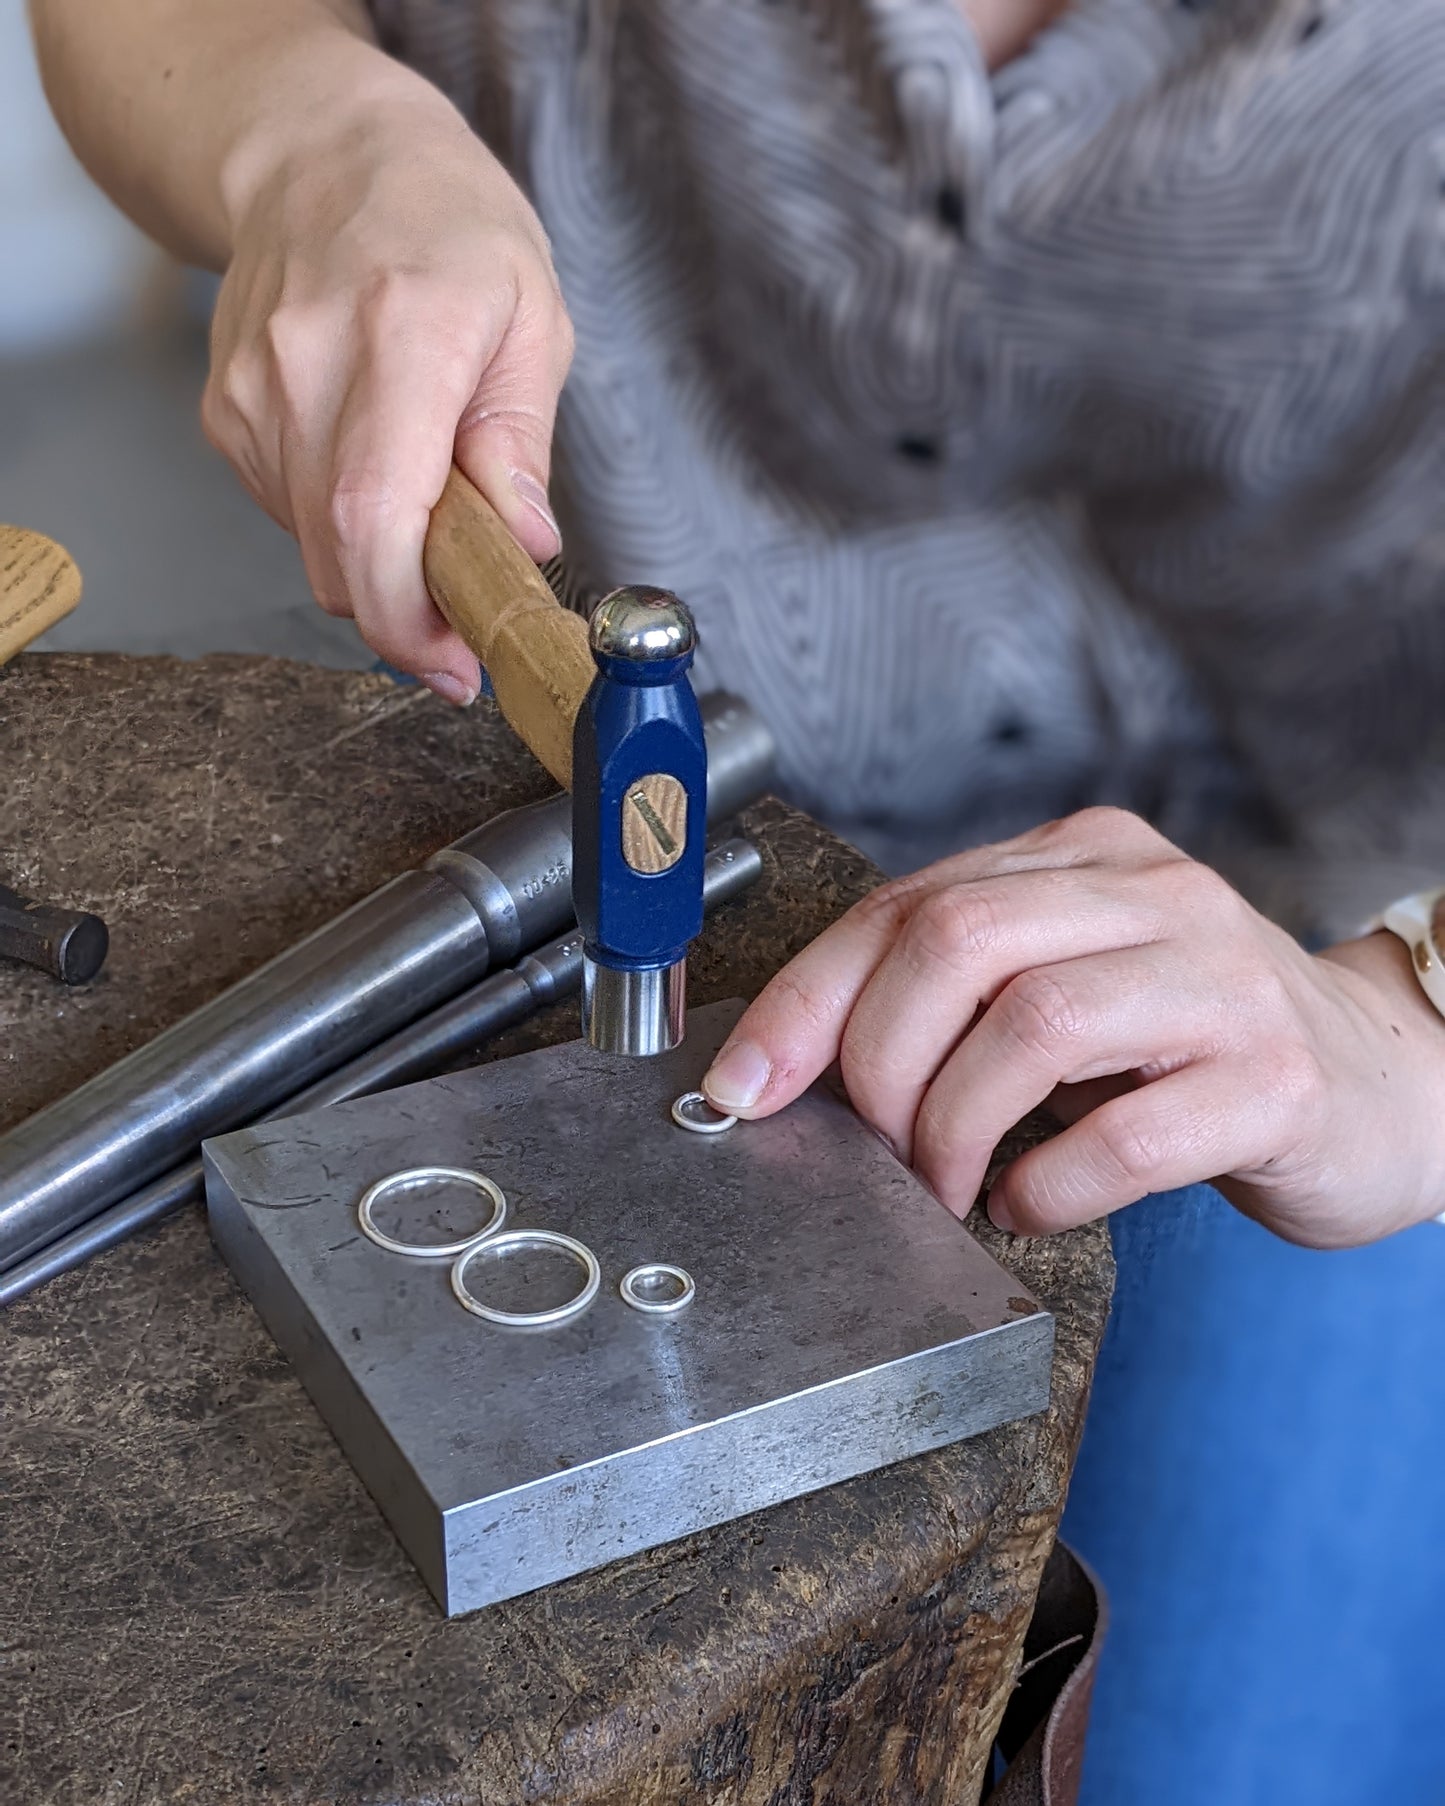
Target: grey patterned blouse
column 1075, row 434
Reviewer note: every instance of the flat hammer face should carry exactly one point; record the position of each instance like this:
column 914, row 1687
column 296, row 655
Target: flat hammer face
column 639, row 809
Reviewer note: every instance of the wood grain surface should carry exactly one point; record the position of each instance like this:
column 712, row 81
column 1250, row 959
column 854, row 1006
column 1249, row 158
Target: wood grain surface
column 534, row 651
column 39, row 585
column 201, row 1604
column 654, row 829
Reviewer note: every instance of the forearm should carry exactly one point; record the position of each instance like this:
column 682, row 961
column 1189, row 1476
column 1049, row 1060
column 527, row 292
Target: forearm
column 389, row 304
column 181, row 109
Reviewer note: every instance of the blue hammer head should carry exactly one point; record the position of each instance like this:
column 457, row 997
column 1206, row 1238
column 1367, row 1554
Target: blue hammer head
column 639, row 815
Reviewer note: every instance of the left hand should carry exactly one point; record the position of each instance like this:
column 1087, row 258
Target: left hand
column 1091, row 966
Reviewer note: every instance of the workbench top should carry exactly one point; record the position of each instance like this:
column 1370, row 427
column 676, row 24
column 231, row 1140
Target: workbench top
column 201, row 1603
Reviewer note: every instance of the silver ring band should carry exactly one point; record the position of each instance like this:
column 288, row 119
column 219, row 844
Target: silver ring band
column 528, row 1238
column 657, row 1307
column 693, row 1111
column 420, row 1175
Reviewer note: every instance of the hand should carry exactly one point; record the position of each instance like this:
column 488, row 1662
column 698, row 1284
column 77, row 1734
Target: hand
column 390, row 302
column 1090, row 966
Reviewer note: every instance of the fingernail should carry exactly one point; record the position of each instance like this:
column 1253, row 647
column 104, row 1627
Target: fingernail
column 738, row 1077
column 999, row 1214
column 535, row 496
column 449, row 688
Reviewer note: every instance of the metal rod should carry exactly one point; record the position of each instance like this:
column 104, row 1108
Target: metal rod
column 479, row 903
column 69, row 944
column 417, row 1052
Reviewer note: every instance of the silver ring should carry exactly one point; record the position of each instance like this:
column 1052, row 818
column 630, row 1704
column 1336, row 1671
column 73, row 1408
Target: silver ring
column 528, row 1238
column 657, row 1307
column 419, row 1175
column 693, row 1111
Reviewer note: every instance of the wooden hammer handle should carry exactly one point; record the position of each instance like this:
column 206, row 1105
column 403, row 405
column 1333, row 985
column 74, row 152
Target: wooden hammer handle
column 39, row 583
column 537, row 655
column 534, row 650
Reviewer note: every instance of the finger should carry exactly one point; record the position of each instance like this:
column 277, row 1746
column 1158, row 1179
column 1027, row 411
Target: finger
column 1189, row 1128
column 239, row 416
column 959, row 949
column 1067, row 1103
column 364, row 521
column 1145, row 1008
column 233, row 437
column 794, row 1029
column 504, row 440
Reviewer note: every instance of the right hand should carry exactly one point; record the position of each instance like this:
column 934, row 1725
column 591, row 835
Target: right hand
column 389, row 305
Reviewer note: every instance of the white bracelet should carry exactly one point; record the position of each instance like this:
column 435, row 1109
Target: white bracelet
column 1420, row 923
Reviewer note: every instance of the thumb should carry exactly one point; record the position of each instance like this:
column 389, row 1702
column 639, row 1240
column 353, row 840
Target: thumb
column 504, row 439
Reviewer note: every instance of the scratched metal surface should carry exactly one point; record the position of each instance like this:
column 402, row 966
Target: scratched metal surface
column 843, row 1321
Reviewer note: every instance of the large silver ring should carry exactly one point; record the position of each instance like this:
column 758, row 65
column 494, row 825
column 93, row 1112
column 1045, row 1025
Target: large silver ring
column 655, row 1270
column 420, row 1175
column 528, row 1238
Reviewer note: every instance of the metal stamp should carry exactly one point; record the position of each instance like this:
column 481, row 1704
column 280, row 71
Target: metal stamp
column 843, row 1320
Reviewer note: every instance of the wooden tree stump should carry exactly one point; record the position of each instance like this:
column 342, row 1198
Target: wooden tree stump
column 201, row 1602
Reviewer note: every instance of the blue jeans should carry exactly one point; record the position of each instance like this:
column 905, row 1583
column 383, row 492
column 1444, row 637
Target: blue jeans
column 1262, row 1490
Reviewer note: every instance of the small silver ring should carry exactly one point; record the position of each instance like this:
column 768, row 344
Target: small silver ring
column 657, row 1307
column 419, row 1175
column 528, row 1238
column 693, row 1111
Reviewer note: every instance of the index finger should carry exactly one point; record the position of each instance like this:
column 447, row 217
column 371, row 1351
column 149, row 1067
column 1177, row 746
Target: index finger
column 793, row 1031
column 389, row 464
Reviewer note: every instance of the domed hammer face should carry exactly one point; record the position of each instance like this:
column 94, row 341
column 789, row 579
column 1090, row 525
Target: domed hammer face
column 639, row 811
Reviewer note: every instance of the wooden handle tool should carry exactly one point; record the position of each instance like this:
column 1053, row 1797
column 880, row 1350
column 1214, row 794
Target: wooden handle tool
column 39, row 585
column 534, row 651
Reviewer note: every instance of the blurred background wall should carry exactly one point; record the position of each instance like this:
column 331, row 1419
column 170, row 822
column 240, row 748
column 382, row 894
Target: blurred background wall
column 102, row 361
column 73, row 266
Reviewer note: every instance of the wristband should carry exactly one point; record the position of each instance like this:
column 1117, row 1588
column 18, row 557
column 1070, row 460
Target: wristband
column 1419, row 921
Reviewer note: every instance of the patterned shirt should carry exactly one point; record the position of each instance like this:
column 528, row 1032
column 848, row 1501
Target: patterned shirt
column 1072, row 434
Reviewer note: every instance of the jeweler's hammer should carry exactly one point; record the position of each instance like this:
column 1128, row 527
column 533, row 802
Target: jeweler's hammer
column 611, row 713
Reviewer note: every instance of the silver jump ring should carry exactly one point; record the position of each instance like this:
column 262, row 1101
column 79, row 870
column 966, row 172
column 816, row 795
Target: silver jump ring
column 528, row 1238
column 420, row 1175
column 693, row 1111
column 657, row 1307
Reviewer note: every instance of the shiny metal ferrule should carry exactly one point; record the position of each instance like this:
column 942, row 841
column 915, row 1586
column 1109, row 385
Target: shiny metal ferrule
column 640, row 1012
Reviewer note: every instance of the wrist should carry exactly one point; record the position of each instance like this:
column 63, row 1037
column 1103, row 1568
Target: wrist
column 1383, row 980
column 343, row 100
column 1384, row 960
